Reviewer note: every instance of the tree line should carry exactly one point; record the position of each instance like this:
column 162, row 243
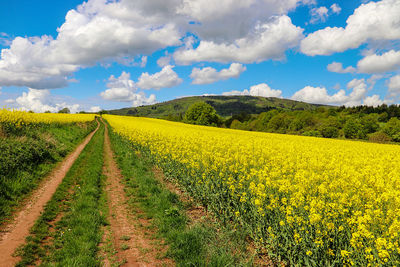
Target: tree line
column 378, row 124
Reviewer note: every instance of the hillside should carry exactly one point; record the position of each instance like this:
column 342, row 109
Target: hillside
column 224, row 105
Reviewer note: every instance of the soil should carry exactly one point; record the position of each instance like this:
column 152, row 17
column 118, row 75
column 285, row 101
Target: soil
column 14, row 233
column 140, row 249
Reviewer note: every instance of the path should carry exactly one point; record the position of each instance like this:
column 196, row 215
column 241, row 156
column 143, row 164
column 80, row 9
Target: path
column 139, row 250
column 18, row 229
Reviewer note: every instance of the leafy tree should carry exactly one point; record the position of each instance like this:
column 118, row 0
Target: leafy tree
column 236, row 124
column 261, row 123
column 279, row 123
column 392, row 129
column 351, row 129
column 370, row 122
column 65, row 110
column 329, row 131
column 202, row 113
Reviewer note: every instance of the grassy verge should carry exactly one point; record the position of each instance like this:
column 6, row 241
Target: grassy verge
column 202, row 243
column 28, row 155
column 68, row 231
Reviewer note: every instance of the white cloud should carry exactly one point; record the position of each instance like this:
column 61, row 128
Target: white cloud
column 95, row 109
column 373, row 101
column 261, row 89
column 227, row 21
column 123, row 89
column 267, row 41
column 393, row 89
column 164, row 61
column 319, row 14
column 41, row 101
column 320, row 95
column 5, row 39
column 98, row 30
column 336, row 8
column 143, row 62
column 166, row 78
column 338, row 67
column 388, row 61
column 373, row 79
column 9, row 101
column 371, row 21
column 210, row 75
column 102, row 31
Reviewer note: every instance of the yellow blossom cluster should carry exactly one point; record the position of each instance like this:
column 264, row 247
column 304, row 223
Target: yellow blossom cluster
column 313, row 201
column 20, row 118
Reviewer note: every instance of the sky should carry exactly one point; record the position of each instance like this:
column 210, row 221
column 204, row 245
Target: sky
column 103, row 54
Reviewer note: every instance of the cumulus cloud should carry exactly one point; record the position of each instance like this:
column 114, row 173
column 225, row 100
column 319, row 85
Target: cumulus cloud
column 261, row 89
column 164, row 61
column 102, row 31
column 97, row 30
column 338, row 68
column 374, row 63
column 268, row 41
column 123, row 89
column 95, row 109
column 373, row 101
column 210, row 75
column 320, row 95
column 393, row 89
column 227, row 21
column 371, row 21
column 166, row 78
column 41, row 101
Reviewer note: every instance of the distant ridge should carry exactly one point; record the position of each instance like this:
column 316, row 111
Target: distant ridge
column 224, row 105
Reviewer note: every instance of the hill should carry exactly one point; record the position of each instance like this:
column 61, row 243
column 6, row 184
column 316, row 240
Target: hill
column 224, row 105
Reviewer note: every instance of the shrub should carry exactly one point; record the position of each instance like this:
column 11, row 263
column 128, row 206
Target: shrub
column 379, row 137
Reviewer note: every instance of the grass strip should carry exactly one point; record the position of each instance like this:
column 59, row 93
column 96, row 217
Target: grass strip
column 68, row 231
column 27, row 157
column 203, row 243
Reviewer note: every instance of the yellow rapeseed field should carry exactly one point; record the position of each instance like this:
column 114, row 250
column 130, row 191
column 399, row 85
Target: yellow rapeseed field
column 20, row 118
column 312, row 201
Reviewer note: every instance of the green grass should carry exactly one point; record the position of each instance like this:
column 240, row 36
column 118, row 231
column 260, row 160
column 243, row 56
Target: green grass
column 29, row 154
column 190, row 244
column 69, row 230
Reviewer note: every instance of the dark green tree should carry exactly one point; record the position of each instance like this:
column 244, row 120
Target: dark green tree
column 392, row 129
column 352, row 129
column 201, row 113
column 65, row 110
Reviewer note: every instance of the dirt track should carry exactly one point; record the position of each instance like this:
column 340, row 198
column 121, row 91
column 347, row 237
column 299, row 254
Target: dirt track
column 18, row 229
column 141, row 250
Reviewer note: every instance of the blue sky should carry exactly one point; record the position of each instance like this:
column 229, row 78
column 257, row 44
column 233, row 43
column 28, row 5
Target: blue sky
column 103, row 54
